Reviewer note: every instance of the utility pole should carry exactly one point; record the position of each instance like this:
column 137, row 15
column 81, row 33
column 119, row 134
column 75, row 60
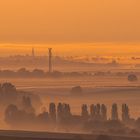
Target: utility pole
column 50, row 60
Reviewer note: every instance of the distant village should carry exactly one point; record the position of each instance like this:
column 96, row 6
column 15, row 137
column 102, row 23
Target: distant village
column 37, row 60
column 33, row 60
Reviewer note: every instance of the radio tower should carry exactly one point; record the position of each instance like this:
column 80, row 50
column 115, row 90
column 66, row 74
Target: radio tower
column 50, row 60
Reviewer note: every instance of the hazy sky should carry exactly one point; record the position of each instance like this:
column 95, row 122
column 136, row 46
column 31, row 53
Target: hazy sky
column 69, row 21
column 56, row 21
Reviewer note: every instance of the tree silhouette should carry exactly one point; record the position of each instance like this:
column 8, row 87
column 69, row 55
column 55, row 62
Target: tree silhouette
column 11, row 113
column 52, row 112
column 125, row 112
column 66, row 112
column 8, row 88
column 98, row 110
column 104, row 112
column 92, row 111
column 84, row 113
column 114, row 112
column 132, row 78
column 27, row 104
column 59, row 112
column 76, row 90
column 23, row 72
column 8, row 92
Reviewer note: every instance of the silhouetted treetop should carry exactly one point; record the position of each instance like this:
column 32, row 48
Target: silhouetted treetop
column 132, row 78
column 76, row 90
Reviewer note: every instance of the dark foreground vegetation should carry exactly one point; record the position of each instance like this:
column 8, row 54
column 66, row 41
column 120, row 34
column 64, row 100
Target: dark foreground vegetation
column 22, row 135
column 21, row 112
column 60, row 118
column 9, row 94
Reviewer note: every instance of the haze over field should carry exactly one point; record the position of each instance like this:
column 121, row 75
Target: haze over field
column 70, row 66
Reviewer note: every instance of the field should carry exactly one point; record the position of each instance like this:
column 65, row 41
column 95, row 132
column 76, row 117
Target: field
column 24, row 135
column 107, row 90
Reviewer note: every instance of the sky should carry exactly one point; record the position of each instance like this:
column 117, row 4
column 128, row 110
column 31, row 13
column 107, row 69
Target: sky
column 56, row 22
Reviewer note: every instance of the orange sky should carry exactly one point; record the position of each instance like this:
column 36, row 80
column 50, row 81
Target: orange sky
column 70, row 22
column 83, row 49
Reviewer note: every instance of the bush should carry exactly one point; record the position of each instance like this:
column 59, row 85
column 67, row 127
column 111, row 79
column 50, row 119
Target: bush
column 76, row 90
column 132, row 78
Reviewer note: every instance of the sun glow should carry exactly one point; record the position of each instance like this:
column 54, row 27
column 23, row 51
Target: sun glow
column 89, row 49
